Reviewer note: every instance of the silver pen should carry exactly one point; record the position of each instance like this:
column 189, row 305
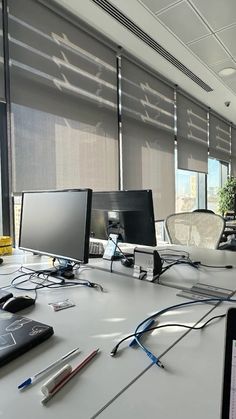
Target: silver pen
column 33, row 378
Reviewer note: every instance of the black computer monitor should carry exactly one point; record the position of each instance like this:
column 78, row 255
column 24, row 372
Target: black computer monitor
column 129, row 214
column 56, row 223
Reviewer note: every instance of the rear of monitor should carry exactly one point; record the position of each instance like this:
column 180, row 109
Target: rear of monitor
column 129, row 214
column 99, row 223
column 56, row 223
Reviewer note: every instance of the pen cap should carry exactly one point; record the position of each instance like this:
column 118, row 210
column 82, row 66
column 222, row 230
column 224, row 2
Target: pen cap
column 50, row 384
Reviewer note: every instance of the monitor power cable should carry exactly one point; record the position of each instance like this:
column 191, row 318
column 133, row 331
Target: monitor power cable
column 198, row 263
column 121, row 252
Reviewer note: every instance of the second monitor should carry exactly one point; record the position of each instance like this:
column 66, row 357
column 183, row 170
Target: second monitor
column 129, row 214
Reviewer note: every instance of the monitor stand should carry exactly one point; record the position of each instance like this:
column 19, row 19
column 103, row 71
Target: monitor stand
column 63, row 271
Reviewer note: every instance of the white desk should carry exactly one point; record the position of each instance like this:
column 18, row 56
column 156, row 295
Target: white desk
column 182, row 276
column 189, row 387
column 97, row 320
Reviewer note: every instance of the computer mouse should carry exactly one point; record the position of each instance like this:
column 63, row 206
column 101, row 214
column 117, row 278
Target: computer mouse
column 128, row 262
column 15, row 304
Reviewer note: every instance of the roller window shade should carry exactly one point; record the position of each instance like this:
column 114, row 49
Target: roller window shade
column 233, row 151
column 148, row 136
column 219, row 138
column 192, row 135
column 63, row 94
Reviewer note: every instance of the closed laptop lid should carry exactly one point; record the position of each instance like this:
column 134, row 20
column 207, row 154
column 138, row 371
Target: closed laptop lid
column 18, row 334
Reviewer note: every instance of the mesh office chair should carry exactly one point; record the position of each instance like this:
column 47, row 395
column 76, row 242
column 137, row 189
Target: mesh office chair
column 203, row 210
column 198, row 229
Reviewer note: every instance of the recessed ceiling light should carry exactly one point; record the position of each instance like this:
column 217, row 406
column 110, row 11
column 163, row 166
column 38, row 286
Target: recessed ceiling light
column 227, row 71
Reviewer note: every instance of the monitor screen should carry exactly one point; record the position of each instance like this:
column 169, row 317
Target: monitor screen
column 126, row 213
column 56, row 223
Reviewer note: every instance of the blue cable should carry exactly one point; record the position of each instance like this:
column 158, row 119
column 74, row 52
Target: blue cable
column 137, row 336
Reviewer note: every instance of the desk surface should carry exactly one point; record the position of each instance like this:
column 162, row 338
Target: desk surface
column 101, row 320
column 189, row 387
column 181, row 276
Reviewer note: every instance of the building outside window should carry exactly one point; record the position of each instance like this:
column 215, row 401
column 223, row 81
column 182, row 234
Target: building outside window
column 190, row 190
column 190, row 187
column 217, row 176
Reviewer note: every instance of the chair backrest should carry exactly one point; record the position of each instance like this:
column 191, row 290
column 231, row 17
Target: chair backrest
column 198, row 229
column 203, row 210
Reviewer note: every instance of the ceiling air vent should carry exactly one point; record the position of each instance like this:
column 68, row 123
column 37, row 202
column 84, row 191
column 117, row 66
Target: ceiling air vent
column 136, row 30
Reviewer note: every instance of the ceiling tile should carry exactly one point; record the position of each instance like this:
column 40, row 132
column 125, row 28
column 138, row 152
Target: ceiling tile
column 209, row 50
column 193, row 27
column 231, row 83
column 216, row 67
column 228, row 36
column 156, row 5
column 218, row 13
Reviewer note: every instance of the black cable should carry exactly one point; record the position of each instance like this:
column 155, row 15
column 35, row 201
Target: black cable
column 193, row 264
column 116, row 247
column 176, row 262
column 9, row 285
column 111, row 263
column 19, row 276
column 184, row 253
column 213, row 266
column 16, row 286
column 186, row 260
column 74, row 284
column 122, row 253
column 114, row 350
column 11, row 273
column 51, row 284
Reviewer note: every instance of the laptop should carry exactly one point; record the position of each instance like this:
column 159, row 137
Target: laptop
column 18, row 334
column 228, row 410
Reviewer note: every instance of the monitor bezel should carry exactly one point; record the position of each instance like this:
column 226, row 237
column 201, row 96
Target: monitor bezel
column 87, row 226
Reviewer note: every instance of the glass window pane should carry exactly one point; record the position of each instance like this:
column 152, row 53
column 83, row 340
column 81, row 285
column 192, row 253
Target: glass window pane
column 217, row 175
column 213, row 184
column 201, row 190
column 160, row 232
column 186, row 190
column 224, row 173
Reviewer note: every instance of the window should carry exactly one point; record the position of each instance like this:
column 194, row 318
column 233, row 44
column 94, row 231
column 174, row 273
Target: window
column 186, row 190
column 217, row 175
column 190, row 189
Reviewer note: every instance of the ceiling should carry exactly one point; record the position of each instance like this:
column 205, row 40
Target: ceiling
column 199, row 33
